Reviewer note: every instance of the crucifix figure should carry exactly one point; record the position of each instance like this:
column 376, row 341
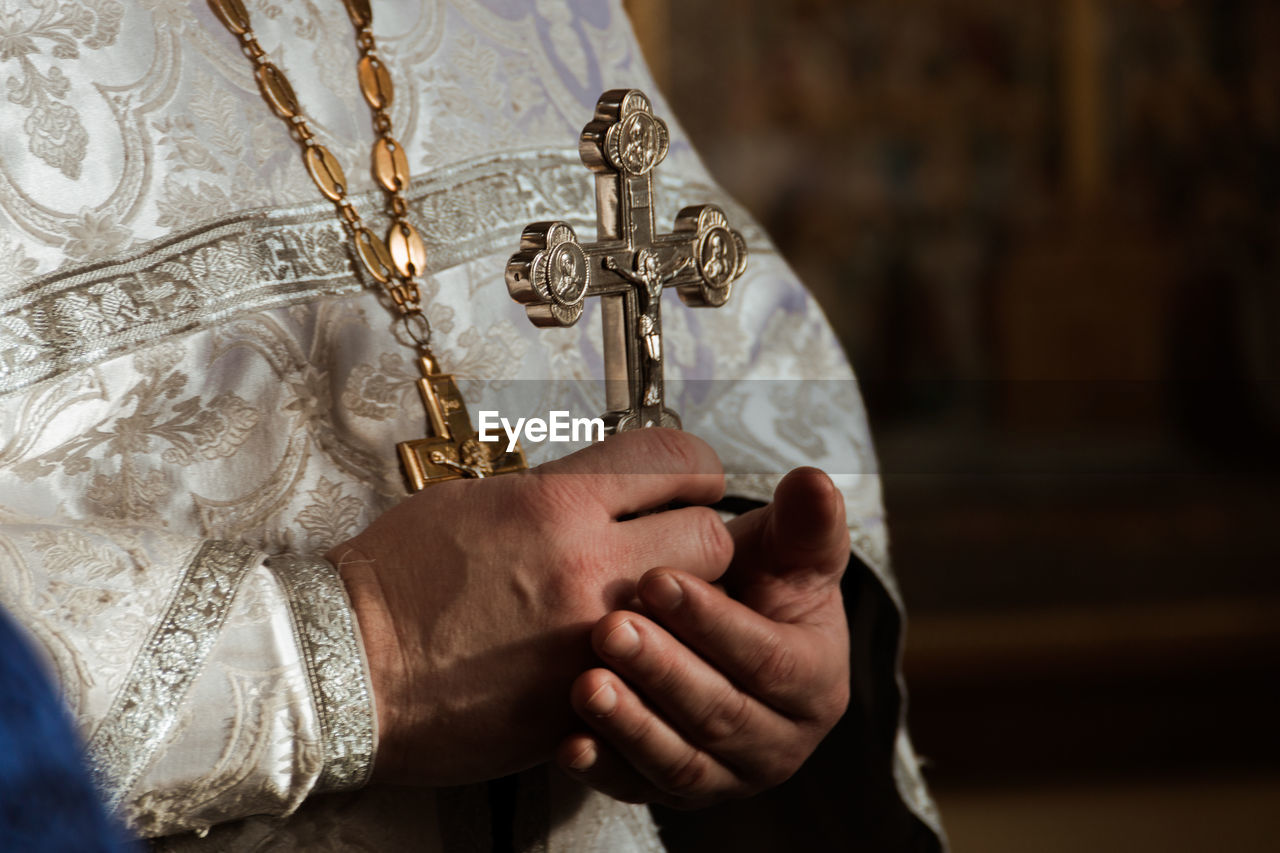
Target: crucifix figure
column 629, row 265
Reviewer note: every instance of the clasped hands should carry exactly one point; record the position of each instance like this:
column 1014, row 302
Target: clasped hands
column 512, row 620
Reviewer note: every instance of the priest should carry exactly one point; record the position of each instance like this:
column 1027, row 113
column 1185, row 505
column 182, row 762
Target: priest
column 216, row 328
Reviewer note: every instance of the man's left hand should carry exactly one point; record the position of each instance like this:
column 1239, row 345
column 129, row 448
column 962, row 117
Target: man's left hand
column 715, row 694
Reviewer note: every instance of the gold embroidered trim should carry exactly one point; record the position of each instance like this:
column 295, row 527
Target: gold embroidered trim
column 336, row 669
column 146, row 709
column 252, row 261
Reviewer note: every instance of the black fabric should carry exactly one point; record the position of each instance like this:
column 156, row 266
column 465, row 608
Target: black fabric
column 503, row 795
column 736, row 505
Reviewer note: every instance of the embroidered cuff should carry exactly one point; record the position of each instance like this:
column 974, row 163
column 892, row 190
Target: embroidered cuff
column 147, row 708
column 329, row 640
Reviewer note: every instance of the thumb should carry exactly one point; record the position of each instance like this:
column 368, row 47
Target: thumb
column 807, row 528
column 799, row 542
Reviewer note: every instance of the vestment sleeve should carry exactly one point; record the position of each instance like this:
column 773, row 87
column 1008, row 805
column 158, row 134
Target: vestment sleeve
column 209, row 681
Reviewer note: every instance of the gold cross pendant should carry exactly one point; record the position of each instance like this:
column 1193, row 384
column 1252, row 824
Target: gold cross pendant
column 452, row 449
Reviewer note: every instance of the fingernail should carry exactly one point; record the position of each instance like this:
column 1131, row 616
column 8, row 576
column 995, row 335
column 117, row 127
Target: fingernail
column 621, row 642
column 585, row 759
column 602, row 703
column 664, row 592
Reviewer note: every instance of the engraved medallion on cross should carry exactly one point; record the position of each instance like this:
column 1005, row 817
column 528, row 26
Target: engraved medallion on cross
column 453, row 449
column 629, row 265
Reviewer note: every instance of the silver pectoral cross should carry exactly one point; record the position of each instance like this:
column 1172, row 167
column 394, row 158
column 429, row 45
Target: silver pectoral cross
column 629, row 265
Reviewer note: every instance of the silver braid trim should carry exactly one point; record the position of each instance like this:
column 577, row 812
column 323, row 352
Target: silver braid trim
column 146, row 709
column 329, row 640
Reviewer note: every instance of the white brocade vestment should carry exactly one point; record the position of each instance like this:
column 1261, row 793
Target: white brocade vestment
column 198, row 394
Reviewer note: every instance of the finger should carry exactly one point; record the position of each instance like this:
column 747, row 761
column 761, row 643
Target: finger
column 791, row 554
column 809, row 522
column 799, row 668
column 708, row 709
column 646, row 742
column 593, row 762
column 802, row 531
column 642, row 469
column 692, row 539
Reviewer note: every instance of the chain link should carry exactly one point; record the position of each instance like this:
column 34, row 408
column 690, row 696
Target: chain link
column 405, row 295
column 350, row 214
column 252, row 49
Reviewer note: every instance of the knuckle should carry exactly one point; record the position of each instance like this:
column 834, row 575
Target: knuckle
column 714, row 538
column 549, row 507
column 775, row 667
column 676, row 445
column 548, row 496
column 567, row 582
column 659, row 668
column 639, row 730
column 724, row 718
column 687, row 775
column 713, row 626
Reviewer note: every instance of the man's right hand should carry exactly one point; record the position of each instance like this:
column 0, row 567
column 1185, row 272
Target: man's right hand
column 476, row 598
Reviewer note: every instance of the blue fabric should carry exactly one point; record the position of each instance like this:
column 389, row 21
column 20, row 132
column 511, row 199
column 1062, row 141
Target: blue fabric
column 47, row 802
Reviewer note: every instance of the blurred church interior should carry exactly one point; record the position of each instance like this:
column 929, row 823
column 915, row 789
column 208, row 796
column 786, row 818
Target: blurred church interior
column 1048, row 234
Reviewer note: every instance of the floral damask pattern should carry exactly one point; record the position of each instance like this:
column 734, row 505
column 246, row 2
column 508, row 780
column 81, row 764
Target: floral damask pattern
column 55, row 132
column 182, row 428
column 332, row 516
column 379, row 392
column 95, row 235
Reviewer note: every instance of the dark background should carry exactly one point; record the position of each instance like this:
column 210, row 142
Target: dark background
column 1048, row 234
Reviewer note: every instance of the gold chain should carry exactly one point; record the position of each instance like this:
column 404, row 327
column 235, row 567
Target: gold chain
column 396, row 262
